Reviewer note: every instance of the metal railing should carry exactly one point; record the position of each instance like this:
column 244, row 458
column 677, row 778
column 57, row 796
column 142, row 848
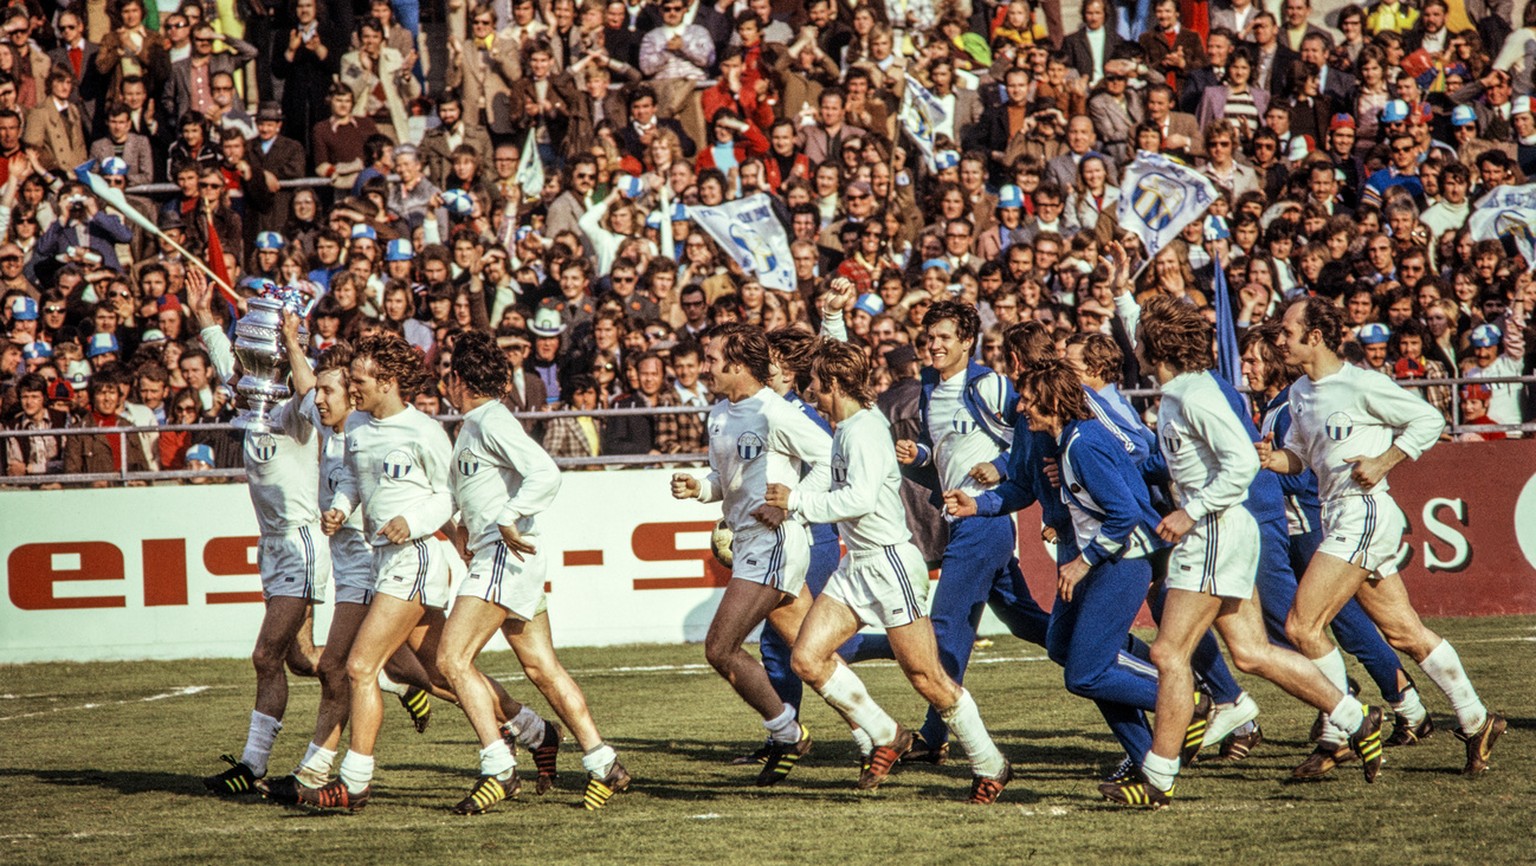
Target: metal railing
column 124, row 476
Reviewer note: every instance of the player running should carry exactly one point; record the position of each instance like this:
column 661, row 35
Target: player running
column 882, row 581
column 1213, row 566
column 1351, row 427
column 502, row 480
column 757, row 438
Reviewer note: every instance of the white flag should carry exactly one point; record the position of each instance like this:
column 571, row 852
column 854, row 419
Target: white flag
column 530, row 169
column 920, row 113
column 748, row 230
column 1505, row 195
column 1502, row 222
column 1159, row 197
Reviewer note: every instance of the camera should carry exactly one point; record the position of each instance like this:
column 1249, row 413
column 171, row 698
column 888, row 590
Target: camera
column 75, row 203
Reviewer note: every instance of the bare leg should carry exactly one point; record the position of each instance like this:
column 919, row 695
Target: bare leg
column 742, row 608
column 535, row 650
column 385, row 629
column 282, row 622
column 473, row 622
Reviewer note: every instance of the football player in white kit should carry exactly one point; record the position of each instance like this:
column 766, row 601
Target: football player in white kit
column 295, row 562
column 502, row 481
column 396, row 470
column 882, row 581
column 1213, row 567
column 755, row 438
column 1350, row 427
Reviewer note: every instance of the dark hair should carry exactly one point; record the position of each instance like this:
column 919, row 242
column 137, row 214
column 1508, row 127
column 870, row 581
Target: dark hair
column 480, row 364
column 1056, row 391
column 639, row 92
column 793, row 348
column 1031, row 343
column 746, row 345
column 394, row 359
column 1325, row 317
column 1102, row 356
column 337, row 357
column 967, row 320
column 1175, row 333
column 1277, row 373
column 845, row 364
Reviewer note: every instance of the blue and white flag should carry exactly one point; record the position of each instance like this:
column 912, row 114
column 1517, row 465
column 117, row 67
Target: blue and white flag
column 1508, row 214
column 1229, row 361
column 920, row 113
column 749, row 231
column 530, row 169
column 1159, row 197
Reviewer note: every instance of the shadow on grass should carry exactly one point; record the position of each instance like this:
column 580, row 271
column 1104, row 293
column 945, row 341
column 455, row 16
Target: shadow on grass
column 122, row 781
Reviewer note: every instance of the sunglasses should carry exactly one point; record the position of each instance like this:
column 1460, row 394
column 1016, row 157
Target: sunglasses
column 176, row 26
column 206, row 185
column 518, row 347
column 53, row 311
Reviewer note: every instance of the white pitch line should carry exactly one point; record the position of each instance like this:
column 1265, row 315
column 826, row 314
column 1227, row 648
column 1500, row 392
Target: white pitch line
column 176, row 693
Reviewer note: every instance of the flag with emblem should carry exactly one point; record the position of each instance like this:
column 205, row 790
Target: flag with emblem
column 750, row 231
column 920, row 113
column 1159, row 197
column 1508, row 215
column 530, row 169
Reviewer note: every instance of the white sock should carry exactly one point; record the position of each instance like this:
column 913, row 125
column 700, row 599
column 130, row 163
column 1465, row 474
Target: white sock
column 1410, row 707
column 316, row 766
column 356, row 772
column 783, row 728
column 1332, row 666
column 389, row 685
column 845, row 692
column 528, row 728
column 1443, row 666
column 1160, row 771
column 1245, row 729
column 1348, row 716
column 862, row 740
column 964, row 721
column 496, row 760
column 258, row 742
column 599, row 761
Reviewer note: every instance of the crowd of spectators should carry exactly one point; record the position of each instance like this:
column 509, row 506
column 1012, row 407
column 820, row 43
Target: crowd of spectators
column 1349, row 150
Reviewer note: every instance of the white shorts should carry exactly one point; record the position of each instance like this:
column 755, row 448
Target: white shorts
column 413, row 571
column 1220, row 556
column 352, row 565
column 773, row 557
column 296, row 564
column 1366, row 531
column 886, row 587
column 500, row 578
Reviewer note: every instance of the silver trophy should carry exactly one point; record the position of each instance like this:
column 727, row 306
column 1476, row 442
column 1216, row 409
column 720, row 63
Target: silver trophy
column 259, row 349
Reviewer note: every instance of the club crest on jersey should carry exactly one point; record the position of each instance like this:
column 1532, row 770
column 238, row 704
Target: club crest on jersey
column 261, row 447
column 963, row 422
column 334, row 479
column 839, row 469
column 1338, row 426
column 397, row 464
column 749, row 446
column 1172, row 442
column 469, row 463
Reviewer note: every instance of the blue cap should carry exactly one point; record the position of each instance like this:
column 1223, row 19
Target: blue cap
column 269, row 241
column 152, row 335
column 101, row 344
column 1009, row 195
column 870, row 303
column 201, row 454
column 399, row 250
column 679, row 213
column 653, row 220
column 363, row 230
column 1484, row 336
column 1373, row 333
column 936, row 263
column 114, row 166
column 1395, row 112
column 24, row 309
column 1463, row 115
column 946, row 159
column 37, row 350
column 629, row 186
column 458, row 202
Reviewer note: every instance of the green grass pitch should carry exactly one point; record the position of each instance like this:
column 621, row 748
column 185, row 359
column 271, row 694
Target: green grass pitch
column 100, row 763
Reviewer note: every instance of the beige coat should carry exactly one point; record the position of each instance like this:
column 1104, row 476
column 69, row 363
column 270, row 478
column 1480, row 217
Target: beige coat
column 485, row 82
column 356, row 75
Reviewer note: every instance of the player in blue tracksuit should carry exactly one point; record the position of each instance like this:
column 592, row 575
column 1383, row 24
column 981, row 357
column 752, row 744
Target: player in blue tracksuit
column 1101, row 589
column 967, row 414
column 1270, row 380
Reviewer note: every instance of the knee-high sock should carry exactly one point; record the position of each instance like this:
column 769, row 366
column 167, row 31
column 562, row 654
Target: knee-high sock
column 1443, row 666
column 259, row 741
column 964, row 719
column 845, row 692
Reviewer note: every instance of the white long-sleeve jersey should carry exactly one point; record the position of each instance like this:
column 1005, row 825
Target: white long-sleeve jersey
column 500, row 476
column 333, row 454
column 1356, row 413
column 865, row 497
column 758, row 441
column 283, row 469
column 1211, row 460
column 396, row 467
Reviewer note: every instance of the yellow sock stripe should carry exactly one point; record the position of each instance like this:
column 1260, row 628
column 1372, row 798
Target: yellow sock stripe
column 597, row 795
